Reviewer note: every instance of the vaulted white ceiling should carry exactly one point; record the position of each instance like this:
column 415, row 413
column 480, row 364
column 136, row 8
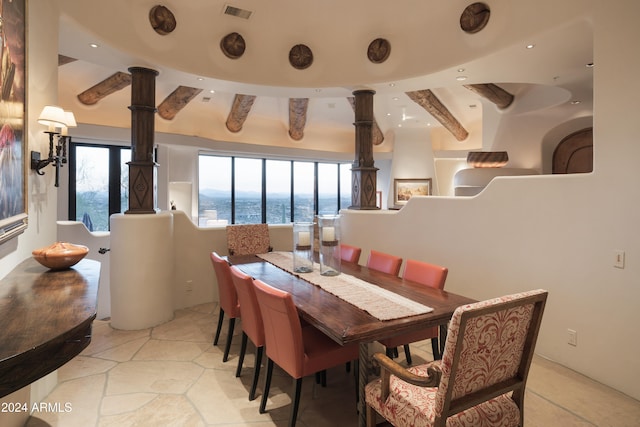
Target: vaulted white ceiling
column 429, row 50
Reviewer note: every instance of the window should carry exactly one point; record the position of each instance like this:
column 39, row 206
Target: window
column 303, row 194
column 214, row 196
column 250, row 190
column 278, row 189
column 98, row 183
column 247, row 191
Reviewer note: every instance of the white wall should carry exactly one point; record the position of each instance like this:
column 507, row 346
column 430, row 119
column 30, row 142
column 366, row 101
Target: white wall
column 552, row 232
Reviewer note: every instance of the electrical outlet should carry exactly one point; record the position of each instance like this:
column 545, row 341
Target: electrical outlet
column 618, row 260
column 188, row 286
column 572, row 337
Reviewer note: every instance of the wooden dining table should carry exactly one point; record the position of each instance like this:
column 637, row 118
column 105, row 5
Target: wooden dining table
column 345, row 323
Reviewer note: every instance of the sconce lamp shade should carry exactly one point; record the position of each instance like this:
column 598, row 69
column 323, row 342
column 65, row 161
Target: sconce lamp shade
column 53, row 117
column 70, row 119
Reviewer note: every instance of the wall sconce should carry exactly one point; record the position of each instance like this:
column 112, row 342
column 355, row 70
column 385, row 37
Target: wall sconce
column 54, row 117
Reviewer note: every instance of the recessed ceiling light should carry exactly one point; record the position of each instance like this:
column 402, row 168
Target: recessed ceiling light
column 399, row 125
column 590, row 65
column 461, row 70
column 461, row 78
column 388, row 114
column 531, row 46
column 318, row 90
column 212, row 91
column 94, row 45
column 392, row 84
column 395, row 98
column 576, row 102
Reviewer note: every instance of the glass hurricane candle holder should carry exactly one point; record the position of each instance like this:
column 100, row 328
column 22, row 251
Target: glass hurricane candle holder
column 329, row 230
column 303, row 247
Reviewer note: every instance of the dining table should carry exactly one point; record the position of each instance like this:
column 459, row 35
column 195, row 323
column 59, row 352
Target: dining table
column 343, row 318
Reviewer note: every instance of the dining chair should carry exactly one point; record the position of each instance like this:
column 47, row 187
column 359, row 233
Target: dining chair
column 430, row 275
column 252, row 326
column 481, row 378
column 299, row 351
column 350, row 253
column 248, row 239
column 228, row 300
column 384, row 262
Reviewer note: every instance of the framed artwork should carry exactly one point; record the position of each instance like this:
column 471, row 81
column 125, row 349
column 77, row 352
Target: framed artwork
column 13, row 171
column 404, row 189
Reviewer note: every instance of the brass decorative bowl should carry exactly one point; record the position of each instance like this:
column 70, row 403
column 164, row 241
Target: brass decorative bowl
column 60, row 255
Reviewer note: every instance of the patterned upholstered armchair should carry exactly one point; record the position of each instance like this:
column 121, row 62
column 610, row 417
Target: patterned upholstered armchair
column 481, row 378
column 248, row 239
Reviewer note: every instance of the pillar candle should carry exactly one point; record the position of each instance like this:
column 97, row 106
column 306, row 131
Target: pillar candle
column 328, row 234
column 304, row 238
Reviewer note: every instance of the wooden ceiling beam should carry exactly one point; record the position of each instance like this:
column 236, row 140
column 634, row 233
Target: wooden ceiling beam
column 430, row 102
column 297, row 117
column 376, row 133
column 239, row 111
column 493, row 93
column 176, row 101
column 106, row 87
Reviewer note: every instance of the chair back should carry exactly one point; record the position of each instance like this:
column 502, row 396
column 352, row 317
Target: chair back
column 226, row 291
column 282, row 329
column 488, row 352
column 383, row 262
column 350, row 253
column 248, row 239
column 430, row 275
column 252, row 324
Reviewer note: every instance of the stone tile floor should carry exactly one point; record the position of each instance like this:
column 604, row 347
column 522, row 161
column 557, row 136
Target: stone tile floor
column 171, row 375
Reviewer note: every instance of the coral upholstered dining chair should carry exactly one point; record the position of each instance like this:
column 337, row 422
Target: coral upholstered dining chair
column 383, row 262
column 300, row 351
column 481, row 378
column 350, row 253
column 248, row 239
column 228, row 300
column 430, row 275
column 252, row 326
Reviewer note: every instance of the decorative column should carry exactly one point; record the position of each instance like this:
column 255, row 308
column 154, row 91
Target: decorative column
column 142, row 167
column 363, row 172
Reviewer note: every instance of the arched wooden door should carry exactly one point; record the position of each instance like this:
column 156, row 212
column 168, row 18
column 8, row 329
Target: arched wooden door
column 574, row 154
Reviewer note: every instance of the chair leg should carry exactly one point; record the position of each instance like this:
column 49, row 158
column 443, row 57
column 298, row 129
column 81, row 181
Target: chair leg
column 371, row 416
column 256, row 373
column 219, row 328
column 407, row 353
column 435, row 348
column 232, row 323
column 296, row 402
column 243, row 349
column 267, row 385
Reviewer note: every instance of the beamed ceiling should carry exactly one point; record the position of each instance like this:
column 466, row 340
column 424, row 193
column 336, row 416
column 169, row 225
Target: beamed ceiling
column 287, row 72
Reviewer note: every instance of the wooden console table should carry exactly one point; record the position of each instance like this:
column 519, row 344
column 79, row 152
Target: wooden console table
column 45, row 319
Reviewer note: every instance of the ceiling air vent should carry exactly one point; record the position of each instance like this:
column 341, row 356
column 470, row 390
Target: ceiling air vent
column 236, row 11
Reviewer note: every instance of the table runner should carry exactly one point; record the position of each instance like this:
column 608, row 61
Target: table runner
column 378, row 302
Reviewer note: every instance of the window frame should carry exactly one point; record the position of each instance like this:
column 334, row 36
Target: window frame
column 115, row 159
column 263, row 185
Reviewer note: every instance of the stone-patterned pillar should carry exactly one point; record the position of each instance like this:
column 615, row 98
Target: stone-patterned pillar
column 363, row 172
column 142, row 167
